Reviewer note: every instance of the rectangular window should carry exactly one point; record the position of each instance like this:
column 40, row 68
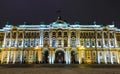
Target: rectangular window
column 19, row 44
column 31, row 43
column 99, row 43
column 53, row 43
column 7, row 43
column 26, row 43
column 112, row 43
column 106, row 43
column 88, row 44
column 73, row 43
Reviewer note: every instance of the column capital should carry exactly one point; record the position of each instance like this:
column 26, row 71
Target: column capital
column 68, row 48
column 51, row 48
column 38, row 48
column 81, row 48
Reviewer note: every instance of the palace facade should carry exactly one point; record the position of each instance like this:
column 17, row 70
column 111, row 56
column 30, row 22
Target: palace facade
column 60, row 42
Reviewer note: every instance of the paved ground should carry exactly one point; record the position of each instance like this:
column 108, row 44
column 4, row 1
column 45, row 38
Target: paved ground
column 59, row 69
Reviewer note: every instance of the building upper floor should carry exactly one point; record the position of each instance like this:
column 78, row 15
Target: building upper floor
column 60, row 32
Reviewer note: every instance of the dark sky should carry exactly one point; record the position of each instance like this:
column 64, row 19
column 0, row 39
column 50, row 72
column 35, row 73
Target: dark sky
column 36, row 11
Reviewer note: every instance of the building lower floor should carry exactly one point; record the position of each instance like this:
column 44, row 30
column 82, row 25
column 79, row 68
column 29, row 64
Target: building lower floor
column 59, row 55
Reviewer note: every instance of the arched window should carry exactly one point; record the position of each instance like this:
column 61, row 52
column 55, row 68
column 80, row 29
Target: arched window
column 73, row 33
column 53, row 33
column 46, row 33
column 59, row 33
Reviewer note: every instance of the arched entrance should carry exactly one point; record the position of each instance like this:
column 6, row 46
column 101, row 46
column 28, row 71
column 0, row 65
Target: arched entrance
column 59, row 56
column 45, row 56
column 73, row 57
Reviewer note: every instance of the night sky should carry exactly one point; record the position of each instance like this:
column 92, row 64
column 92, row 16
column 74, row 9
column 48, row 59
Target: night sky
column 36, row 11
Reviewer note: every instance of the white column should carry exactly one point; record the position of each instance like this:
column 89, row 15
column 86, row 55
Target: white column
column 69, row 38
column 105, row 57
column 103, row 40
column 69, row 55
column 98, row 57
column 39, row 56
column 14, row 57
column 50, row 57
column 4, row 44
column 53, row 57
column 10, row 39
column 96, row 38
column 66, row 57
column 118, row 61
column 16, row 42
column 21, row 56
column 41, row 38
column 79, row 57
column 8, row 54
column 115, row 41
column 111, row 59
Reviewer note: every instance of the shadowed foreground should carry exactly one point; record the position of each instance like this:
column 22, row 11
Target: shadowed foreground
column 59, row 69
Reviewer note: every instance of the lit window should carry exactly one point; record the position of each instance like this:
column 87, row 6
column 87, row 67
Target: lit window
column 53, row 43
column 73, row 43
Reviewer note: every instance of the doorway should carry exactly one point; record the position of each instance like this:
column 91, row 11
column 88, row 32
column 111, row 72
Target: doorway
column 59, row 56
column 45, row 56
column 73, row 57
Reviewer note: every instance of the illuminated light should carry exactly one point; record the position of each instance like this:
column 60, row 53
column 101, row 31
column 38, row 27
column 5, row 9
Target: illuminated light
column 118, row 30
column 90, row 26
column 111, row 26
column 88, row 46
column 36, row 47
column 60, row 25
column 81, row 48
column 1, row 30
column 8, row 26
column 21, row 56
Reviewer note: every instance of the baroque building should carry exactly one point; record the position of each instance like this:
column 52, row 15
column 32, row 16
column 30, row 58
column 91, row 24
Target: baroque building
column 60, row 42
